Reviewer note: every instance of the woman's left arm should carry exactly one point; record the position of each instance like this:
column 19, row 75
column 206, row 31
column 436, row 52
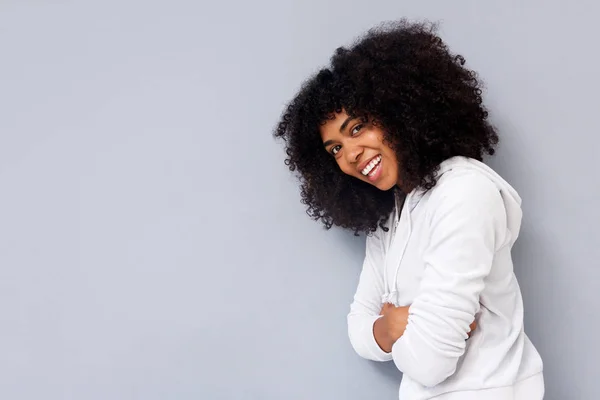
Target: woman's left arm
column 467, row 222
column 364, row 310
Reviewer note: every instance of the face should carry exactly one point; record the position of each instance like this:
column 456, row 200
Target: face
column 359, row 150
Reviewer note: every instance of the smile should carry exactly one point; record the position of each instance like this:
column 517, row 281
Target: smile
column 371, row 167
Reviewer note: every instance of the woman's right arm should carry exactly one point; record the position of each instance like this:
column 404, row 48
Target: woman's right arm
column 373, row 329
column 366, row 307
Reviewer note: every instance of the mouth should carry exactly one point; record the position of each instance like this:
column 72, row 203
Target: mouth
column 373, row 168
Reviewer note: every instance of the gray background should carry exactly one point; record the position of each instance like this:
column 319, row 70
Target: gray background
column 152, row 243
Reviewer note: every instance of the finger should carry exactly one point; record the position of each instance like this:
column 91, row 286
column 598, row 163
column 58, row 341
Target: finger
column 385, row 308
column 472, row 327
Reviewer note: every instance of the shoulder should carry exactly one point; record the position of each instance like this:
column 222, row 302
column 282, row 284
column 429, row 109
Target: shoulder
column 464, row 185
column 380, row 238
column 380, row 235
column 465, row 193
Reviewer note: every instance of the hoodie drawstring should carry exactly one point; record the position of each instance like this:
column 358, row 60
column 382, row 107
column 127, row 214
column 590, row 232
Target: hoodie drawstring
column 391, row 294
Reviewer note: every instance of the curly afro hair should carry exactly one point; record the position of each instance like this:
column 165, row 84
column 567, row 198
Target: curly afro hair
column 402, row 77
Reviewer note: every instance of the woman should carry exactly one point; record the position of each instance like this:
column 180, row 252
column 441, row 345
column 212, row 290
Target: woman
column 389, row 141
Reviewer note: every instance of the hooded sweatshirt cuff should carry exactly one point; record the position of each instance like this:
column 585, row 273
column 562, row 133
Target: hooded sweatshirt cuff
column 368, row 339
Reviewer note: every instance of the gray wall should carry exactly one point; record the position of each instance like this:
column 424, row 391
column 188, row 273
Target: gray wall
column 152, row 245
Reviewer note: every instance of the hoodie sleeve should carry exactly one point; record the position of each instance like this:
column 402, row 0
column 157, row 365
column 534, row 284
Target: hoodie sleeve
column 365, row 308
column 467, row 221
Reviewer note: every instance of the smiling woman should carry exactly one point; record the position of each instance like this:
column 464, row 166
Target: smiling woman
column 389, row 140
column 359, row 148
column 402, row 83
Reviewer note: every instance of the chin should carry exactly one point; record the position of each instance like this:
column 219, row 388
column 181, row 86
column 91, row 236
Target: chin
column 385, row 186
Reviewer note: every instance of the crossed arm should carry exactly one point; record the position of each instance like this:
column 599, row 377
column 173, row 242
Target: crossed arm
column 426, row 339
column 392, row 324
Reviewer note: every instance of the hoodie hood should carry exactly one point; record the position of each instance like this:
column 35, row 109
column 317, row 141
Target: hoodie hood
column 512, row 200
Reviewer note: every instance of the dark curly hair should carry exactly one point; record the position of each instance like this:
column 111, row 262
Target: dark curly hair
column 402, row 77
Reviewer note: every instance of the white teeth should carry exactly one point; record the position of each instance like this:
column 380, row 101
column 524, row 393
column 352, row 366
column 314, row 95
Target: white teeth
column 371, row 165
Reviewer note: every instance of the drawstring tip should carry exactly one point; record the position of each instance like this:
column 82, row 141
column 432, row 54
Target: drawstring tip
column 391, row 297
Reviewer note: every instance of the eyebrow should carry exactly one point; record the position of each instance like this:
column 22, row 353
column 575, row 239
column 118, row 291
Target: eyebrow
column 346, row 123
column 342, row 127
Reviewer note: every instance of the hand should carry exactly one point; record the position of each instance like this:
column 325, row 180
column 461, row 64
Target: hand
column 472, row 327
column 389, row 328
column 397, row 319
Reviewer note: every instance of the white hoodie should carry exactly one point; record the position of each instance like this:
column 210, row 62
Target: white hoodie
column 448, row 256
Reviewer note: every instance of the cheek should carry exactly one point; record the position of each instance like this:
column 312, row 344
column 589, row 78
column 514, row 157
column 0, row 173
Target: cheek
column 393, row 163
column 346, row 169
column 374, row 139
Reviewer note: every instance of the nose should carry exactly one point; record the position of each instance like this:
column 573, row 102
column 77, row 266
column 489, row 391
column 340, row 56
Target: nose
column 353, row 153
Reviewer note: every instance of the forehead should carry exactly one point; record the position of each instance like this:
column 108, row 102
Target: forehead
column 332, row 126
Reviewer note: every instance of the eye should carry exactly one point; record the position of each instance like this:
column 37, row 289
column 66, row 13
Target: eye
column 335, row 149
column 357, row 128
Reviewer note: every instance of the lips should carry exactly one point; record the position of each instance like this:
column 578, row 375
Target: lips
column 375, row 173
column 367, row 167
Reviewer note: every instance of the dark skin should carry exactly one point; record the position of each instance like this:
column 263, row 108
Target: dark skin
column 355, row 143
column 389, row 328
column 403, row 76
